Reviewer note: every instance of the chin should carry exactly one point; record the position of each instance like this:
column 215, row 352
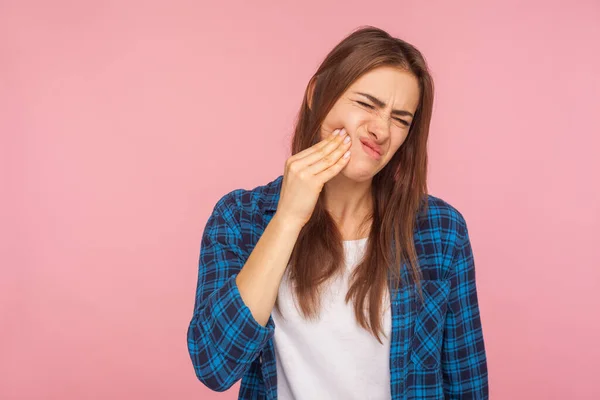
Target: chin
column 359, row 173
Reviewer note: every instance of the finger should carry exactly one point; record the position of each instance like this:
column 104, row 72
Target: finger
column 335, row 169
column 323, row 151
column 317, row 146
column 330, row 159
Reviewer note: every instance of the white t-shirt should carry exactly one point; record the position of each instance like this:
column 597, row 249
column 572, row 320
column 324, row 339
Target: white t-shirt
column 334, row 357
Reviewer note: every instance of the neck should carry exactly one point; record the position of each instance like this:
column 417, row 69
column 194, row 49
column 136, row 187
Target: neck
column 349, row 202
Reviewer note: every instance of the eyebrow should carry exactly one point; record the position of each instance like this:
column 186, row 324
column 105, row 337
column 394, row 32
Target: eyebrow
column 381, row 104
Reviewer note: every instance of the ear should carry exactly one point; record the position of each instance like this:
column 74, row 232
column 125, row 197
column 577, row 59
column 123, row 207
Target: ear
column 310, row 91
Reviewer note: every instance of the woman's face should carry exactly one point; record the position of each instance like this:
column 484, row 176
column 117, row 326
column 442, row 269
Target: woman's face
column 378, row 108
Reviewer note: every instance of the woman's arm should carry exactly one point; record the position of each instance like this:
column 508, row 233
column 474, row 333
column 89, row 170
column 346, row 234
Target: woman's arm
column 464, row 364
column 231, row 324
column 259, row 280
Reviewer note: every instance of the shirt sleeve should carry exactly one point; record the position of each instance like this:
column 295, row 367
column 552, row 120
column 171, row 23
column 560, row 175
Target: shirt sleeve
column 464, row 365
column 223, row 337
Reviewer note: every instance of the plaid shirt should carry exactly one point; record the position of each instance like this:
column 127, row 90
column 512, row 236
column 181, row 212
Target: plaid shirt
column 437, row 349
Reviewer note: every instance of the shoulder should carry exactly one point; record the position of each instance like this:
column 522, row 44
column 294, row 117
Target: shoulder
column 443, row 220
column 238, row 204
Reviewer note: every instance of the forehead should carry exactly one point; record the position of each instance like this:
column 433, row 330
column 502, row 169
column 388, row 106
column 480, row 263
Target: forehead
column 390, row 85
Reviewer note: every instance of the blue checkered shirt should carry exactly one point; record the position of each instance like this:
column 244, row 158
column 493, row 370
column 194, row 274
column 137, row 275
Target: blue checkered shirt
column 437, row 349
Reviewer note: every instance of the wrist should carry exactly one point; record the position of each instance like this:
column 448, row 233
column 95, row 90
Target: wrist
column 287, row 224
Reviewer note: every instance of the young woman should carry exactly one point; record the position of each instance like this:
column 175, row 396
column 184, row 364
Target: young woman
column 343, row 278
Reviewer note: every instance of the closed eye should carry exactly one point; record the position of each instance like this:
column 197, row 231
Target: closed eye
column 372, row 108
column 365, row 105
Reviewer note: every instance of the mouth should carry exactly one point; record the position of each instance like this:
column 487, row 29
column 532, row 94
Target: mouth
column 370, row 151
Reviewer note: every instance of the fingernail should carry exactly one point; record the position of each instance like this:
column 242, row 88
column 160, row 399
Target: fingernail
column 343, row 131
column 347, row 140
column 336, row 132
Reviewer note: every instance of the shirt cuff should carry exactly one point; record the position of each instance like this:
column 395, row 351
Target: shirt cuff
column 232, row 327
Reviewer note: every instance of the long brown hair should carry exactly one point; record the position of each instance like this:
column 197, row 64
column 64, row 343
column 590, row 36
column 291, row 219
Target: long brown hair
column 399, row 190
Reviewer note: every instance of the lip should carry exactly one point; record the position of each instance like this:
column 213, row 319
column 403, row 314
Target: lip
column 371, row 149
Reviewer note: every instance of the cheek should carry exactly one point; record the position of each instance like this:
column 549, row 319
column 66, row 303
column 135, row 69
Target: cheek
column 399, row 139
column 396, row 144
column 341, row 117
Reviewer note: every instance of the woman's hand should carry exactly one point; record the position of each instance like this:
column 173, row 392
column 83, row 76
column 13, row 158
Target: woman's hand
column 306, row 173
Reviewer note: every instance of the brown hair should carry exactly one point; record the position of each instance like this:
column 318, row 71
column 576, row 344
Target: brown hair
column 399, row 189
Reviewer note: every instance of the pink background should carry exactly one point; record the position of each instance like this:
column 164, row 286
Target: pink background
column 123, row 123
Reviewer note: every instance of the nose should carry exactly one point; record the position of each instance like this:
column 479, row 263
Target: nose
column 379, row 127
